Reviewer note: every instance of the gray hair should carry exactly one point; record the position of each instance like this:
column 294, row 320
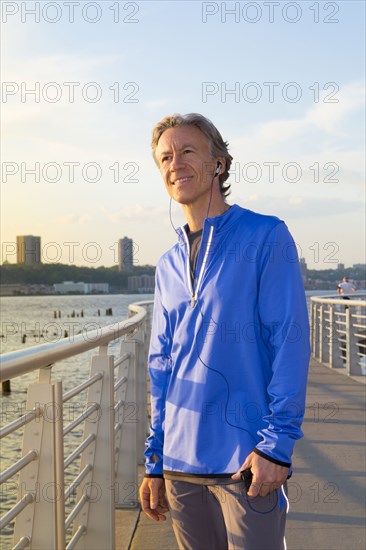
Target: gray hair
column 218, row 147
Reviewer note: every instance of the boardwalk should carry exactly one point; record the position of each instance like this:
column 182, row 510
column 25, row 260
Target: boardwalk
column 327, row 492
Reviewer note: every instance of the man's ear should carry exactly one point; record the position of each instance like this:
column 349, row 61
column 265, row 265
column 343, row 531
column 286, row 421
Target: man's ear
column 220, row 166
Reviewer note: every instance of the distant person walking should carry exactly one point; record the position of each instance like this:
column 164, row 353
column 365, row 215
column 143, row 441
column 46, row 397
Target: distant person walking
column 345, row 288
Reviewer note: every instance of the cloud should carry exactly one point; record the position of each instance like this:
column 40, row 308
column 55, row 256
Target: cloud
column 135, row 212
column 325, row 143
column 74, row 219
column 154, row 215
column 296, row 200
column 297, row 206
column 323, row 119
column 332, row 117
column 60, row 67
column 71, row 97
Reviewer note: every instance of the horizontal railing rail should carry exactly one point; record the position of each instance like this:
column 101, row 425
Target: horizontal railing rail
column 355, row 298
column 20, row 362
column 338, row 331
column 61, row 504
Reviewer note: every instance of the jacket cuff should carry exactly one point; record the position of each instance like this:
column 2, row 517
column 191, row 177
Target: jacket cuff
column 274, row 460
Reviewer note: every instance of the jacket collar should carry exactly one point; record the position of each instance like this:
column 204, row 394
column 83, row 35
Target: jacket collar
column 220, row 223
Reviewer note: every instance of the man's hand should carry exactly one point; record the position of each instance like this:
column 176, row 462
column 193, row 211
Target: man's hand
column 267, row 476
column 152, row 497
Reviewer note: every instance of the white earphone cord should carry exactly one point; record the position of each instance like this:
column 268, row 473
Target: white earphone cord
column 218, row 166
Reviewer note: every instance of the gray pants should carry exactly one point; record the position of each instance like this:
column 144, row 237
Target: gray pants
column 221, row 517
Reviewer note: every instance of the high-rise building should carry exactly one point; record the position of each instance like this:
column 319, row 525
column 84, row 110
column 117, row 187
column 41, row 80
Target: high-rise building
column 125, row 254
column 28, row 249
column 141, row 283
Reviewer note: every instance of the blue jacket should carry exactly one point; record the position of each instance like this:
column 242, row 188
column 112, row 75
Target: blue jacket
column 228, row 359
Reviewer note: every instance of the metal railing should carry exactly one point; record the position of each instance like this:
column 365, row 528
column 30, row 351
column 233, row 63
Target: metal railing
column 338, row 332
column 114, row 423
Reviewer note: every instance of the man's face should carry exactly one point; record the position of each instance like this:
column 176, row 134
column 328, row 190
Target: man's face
column 186, row 164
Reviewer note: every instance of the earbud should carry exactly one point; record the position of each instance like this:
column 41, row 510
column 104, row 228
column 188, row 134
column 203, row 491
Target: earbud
column 218, row 168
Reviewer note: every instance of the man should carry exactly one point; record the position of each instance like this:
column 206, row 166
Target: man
column 345, row 288
column 228, row 356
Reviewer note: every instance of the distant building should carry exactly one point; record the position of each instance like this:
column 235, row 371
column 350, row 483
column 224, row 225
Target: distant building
column 96, row 288
column 28, row 250
column 25, row 289
column 341, row 267
column 11, row 290
column 69, row 287
column 125, row 254
column 142, row 284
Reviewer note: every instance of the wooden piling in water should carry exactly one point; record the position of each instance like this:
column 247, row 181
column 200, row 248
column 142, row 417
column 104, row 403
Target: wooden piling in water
column 5, row 386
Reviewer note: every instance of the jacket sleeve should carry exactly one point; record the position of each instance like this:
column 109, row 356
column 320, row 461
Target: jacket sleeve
column 159, row 367
column 285, row 332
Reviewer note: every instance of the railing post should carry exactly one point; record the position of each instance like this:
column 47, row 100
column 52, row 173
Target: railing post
column 40, row 478
column 352, row 366
column 148, row 326
column 325, row 334
column 335, row 360
column 311, row 319
column 97, row 515
column 315, row 335
column 126, row 482
column 59, row 466
column 141, row 394
column 320, row 334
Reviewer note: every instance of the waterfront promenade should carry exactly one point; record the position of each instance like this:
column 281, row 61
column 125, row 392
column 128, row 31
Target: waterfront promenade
column 327, row 490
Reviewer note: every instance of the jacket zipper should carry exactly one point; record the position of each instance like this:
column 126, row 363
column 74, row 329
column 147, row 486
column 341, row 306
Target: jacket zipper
column 194, row 294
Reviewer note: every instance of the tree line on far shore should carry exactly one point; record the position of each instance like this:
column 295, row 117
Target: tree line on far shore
column 49, row 274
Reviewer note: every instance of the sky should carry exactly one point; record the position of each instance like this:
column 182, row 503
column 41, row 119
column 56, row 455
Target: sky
column 83, row 84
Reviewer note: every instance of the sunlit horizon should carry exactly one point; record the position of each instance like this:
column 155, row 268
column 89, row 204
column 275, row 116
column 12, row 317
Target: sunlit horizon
column 82, row 91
